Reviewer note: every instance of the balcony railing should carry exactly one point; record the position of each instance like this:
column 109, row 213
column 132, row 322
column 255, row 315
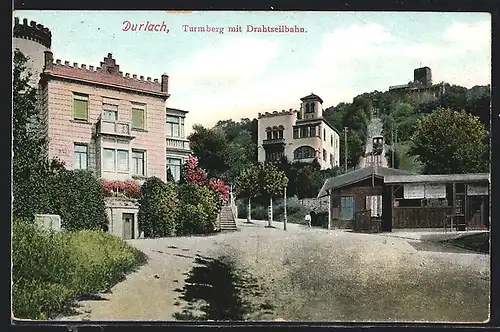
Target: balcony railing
column 273, row 141
column 177, row 144
column 113, row 128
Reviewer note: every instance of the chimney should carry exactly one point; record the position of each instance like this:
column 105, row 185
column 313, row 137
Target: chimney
column 49, row 60
column 164, row 83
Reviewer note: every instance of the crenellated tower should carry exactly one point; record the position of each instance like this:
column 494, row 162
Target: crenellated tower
column 32, row 39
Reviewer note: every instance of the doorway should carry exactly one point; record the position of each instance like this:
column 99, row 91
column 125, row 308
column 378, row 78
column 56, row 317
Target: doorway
column 347, row 207
column 128, row 226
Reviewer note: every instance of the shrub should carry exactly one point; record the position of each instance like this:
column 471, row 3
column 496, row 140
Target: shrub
column 199, row 209
column 49, row 270
column 102, row 259
column 77, row 196
column 158, row 208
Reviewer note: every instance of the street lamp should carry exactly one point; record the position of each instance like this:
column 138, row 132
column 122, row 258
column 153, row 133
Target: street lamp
column 284, row 210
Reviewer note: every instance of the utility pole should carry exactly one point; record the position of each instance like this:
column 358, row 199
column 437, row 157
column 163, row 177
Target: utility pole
column 392, row 146
column 345, row 148
column 396, row 138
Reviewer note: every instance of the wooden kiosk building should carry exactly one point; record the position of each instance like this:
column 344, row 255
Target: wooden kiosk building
column 379, row 198
column 450, row 201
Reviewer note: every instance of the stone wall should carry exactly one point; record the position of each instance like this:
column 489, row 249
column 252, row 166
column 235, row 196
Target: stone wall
column 316, row 204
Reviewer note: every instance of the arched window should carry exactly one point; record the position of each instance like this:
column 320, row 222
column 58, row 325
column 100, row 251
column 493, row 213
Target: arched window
column 312, row 107
column 281, row 129
column 307, row 107
column 268, row 132
column 304, row 152
column 275, row 132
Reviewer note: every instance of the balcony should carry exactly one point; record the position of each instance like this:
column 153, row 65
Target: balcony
column 115, row 128
column 273, row 141
column 178, row 144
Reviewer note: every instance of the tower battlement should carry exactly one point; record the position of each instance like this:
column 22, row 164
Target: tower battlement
column 32, row 31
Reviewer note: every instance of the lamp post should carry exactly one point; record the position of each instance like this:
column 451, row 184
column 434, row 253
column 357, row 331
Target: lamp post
column 329, row 210
column 284, row 210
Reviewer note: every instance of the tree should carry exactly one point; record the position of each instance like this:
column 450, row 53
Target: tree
column 447, row 141
column 247, row 185
column 272, row 182
column 30, row 165
column 211, row 147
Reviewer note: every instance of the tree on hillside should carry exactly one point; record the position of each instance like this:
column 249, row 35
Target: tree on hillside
column 247, row 186
column 447, row 141
column 355, row 149
column 212, row 148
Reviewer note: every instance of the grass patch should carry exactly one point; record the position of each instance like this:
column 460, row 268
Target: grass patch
column 50, row 271
column 477, row 242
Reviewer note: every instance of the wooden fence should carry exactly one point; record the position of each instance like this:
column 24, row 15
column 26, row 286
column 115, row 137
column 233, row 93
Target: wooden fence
column 421, row 217
column 363, row 222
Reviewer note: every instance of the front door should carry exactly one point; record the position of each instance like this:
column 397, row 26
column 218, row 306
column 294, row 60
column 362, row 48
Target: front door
column 128, row 226
column 347, row 207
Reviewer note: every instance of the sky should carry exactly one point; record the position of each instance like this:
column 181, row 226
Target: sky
column 233, row 75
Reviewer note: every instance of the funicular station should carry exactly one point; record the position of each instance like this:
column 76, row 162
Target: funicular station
column 376, row 198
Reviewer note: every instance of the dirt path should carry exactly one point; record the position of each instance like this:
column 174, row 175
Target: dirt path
column 302, row 274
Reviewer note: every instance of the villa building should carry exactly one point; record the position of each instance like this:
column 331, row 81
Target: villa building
column 113, row 124
column 302, row 135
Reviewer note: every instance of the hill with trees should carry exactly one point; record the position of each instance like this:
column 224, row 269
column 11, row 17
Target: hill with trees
column 229, row 147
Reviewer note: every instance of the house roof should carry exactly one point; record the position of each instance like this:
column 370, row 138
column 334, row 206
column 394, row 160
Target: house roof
column 357, row 176
column 312, row 96
column 471, row 177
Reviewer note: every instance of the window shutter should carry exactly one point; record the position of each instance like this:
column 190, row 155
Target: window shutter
column 137, row 118
column 81, row 109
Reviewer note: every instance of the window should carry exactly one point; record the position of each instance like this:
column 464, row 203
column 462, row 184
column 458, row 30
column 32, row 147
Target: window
column 280, row 131
column 115, row 160
column 331, row 159
column 304, row 152
column 304, row 132
column 324, row 134
column 109, row 162
column 312, row 131
column 81, row 156
column 312, row 107
column 331, row 140
column 138, row 118
column 295, row 132
column 80, row 107
column 174, row 165
column 110, row 112
column 175, row 126
column 275, row 132
column 324, row 155
column 274, row 155
column 122, row 161
column 307, row 108
column 268, row 132
column 138, row 162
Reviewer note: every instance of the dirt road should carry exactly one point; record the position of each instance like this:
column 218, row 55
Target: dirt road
column 259, row 273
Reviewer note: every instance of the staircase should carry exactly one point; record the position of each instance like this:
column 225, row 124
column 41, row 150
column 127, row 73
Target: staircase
column 227, row 221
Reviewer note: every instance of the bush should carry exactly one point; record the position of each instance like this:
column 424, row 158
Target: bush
column 199, row 209
column 49, row 270
column 77, row 196
column 158, row 208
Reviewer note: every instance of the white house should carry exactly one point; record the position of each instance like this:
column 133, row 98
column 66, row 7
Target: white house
column 299, row 135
